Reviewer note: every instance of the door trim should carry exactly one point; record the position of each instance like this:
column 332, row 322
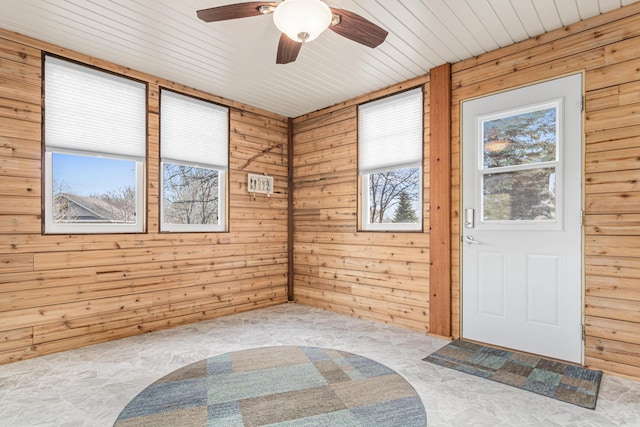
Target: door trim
column 440, row 274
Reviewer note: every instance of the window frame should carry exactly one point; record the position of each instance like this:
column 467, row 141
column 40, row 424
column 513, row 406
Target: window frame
column 49, row 226
column 223, row 178
column 364, row 201
column 52, row 227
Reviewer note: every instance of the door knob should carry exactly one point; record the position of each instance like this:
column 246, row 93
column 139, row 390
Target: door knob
column 470, row 240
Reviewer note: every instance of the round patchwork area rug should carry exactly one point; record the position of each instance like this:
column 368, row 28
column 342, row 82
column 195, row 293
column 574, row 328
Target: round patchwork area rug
column 278, row 386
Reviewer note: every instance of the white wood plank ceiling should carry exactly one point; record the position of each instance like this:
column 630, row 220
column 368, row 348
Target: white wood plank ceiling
column 236, row 59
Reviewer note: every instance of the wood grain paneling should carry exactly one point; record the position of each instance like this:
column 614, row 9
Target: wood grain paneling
column 64, row 291
column 60, row 292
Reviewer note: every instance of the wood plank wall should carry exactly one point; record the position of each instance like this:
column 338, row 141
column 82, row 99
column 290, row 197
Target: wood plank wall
column 64, row 291
column 60, row 292
column 382, row 276
column 607, row 49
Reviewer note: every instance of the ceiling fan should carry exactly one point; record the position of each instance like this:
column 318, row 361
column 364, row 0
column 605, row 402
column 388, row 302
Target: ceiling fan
column 301, row 21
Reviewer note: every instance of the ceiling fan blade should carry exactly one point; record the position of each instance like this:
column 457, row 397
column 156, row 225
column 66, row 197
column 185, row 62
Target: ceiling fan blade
column 356, row 28
column 234, row 11
column 287, row 50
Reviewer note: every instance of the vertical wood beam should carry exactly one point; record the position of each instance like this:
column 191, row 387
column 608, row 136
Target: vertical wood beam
column 290, row 296
column 440, row 199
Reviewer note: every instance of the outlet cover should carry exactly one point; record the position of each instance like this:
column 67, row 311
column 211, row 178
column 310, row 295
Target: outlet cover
column 259, row 183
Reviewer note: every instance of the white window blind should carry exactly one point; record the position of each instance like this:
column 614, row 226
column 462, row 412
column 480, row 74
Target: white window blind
column 91, row 110
column 193, row 131
column 390, row 132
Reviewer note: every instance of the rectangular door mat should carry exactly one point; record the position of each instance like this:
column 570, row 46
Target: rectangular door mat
column 562, row 381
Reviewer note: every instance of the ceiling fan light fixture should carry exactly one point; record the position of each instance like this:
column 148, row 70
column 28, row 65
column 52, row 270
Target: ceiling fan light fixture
column 302, row 20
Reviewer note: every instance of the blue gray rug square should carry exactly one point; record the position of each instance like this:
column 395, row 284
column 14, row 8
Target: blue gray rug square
column 278, row 387
column 562, row 381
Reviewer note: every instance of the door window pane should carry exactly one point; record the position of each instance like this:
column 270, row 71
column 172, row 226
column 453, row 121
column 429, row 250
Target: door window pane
column 527, row 195
column 520, row 139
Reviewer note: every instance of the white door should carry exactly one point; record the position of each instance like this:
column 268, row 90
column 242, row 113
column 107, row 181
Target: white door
column 522, row 219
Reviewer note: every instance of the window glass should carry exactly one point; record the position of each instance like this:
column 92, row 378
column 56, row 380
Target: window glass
column 520, row 139
column 93, row 190
column 528, row 195
column 191, row 195
column 394, row 196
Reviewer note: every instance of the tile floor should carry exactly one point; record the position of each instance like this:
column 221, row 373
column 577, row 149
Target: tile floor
column 91, row 385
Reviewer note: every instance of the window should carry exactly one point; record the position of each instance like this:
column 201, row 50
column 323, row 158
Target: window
column 194, row 147
column 390, row 134
column 95, row 141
